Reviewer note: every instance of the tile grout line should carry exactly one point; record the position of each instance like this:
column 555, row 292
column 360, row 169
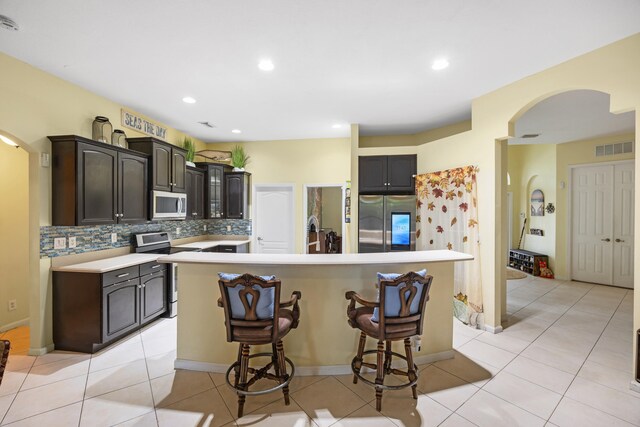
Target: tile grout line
column 146, row 366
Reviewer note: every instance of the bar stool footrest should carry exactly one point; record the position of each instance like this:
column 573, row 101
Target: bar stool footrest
column 269, row 390
column 383, row 386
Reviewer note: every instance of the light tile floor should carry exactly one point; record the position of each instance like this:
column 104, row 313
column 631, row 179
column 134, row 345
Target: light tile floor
column 564, row 359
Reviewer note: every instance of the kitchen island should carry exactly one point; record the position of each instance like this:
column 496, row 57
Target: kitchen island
column 323, row 343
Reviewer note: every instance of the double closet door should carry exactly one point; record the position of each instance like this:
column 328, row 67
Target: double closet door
column 602, row 200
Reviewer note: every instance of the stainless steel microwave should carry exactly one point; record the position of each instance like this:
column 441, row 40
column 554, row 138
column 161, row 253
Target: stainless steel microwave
column 168, row 205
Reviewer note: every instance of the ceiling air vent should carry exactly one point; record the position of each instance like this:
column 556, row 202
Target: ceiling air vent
column 613, row 149
column 207, row 124
column 8, row 23
column 530, row 135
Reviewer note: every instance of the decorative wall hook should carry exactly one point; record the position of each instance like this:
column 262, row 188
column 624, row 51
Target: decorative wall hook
column 550, row 208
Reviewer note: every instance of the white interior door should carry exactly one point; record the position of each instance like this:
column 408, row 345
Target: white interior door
column 592, row 225
column 602, row 224
column 273, row 219
column 623, row 199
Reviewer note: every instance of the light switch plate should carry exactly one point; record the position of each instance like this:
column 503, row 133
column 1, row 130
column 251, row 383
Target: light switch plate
column 45, row 160
column 205, row 227
column 178, row 230
column 228, row 228
column 114, row 237
column 59, row 243
column 72, row 242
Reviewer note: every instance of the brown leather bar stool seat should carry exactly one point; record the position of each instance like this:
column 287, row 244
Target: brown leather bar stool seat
column 397, row 316
column 254, row 315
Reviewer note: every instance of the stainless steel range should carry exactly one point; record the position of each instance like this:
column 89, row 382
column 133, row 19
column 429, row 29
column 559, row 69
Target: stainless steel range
column 160, row 243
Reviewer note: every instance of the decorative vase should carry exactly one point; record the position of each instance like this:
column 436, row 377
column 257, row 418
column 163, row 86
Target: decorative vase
column 238, row 169
column 101, row 129
column 191, row 164
column 119, row 139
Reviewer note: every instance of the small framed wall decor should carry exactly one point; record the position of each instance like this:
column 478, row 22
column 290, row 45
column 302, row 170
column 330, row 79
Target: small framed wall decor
column 536, row 232
column 537, row 203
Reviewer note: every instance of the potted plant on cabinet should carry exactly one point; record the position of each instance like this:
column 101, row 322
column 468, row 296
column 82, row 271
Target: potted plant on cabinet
column 188, row 145
column 239, row 158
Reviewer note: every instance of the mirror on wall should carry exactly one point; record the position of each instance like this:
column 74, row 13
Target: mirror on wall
column 324, row 220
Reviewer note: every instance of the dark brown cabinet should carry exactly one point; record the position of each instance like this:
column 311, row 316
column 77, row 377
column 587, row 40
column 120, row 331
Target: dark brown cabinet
column 96, row 184
column 91, row 310
column 214, row 189
column 240, row 249
column 195, row 193
column 153, row 296
column 237, row 189
column 387, row 174
column 168, row 164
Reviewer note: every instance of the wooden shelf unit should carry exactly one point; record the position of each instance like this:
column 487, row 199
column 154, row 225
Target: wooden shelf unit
column 526, row 261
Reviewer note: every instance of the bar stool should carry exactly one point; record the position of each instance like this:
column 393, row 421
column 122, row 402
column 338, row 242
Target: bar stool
column 254, row 315
column 397, row 316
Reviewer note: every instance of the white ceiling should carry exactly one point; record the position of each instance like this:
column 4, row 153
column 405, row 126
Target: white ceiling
column 336, row 61
column 571, row 116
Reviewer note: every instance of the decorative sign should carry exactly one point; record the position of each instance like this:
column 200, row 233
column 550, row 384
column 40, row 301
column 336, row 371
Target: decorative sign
column 537, row 203
column 137, row 123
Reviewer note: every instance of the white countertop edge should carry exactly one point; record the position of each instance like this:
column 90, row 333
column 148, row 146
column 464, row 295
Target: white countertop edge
column 316, row 259
column 108, row 264
column 206, row 244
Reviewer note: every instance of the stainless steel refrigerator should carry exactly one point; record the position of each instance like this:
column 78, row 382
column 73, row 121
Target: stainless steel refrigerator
column 386, row 223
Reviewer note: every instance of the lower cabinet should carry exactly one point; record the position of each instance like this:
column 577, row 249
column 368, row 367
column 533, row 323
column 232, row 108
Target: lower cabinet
column 240, row 249
column 92, row 310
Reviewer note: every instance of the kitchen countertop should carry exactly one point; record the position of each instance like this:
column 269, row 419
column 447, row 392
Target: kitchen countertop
column 206, row 244
column 115, row 263
column 108, row 264
column 316, row 259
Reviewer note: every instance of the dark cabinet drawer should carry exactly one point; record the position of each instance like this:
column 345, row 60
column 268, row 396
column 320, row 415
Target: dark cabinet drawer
column 225, row 248
column 120, row 275
column 152, row 267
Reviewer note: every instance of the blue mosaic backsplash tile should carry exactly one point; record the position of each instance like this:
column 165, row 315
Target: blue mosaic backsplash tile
column 96, row 238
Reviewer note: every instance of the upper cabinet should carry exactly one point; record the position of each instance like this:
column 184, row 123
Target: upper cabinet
column 169, row 169
column 195, row 193
column 214, row 189
column 387, row 174
column 95, row 183
column 237, row 189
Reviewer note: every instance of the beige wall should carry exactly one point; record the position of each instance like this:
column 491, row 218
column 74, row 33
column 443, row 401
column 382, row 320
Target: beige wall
column 297, row 162
column 14, row 235
column 534, row 167
column 332, row 209
column 36, row 104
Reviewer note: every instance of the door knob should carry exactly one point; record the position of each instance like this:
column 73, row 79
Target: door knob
column 619, row 240
column 259, row 238
column 606, row 240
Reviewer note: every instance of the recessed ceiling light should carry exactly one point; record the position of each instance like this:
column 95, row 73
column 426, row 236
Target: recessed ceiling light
column 236, row 131
column 336, row 126
column 189, row 100
column 8, row 141
column 266, row 65
column 440, row 64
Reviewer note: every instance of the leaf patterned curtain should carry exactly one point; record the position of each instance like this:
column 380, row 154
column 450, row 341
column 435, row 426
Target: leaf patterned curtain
column 447, row 218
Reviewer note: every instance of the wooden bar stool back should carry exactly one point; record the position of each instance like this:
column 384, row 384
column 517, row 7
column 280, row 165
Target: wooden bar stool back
column 254, row 315
column 397, row 316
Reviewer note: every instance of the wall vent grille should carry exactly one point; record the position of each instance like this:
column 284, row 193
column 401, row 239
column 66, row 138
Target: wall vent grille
column 613, row 149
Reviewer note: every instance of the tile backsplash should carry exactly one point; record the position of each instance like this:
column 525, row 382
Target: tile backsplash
column 96, row 238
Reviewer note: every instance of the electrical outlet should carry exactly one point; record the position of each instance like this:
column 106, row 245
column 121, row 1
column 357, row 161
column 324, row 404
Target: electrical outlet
column 204, row 227
column 72, row 242
column 228, row 228
column 13, row 304
column 59, row 243
column 178, row 230
column 114, row 237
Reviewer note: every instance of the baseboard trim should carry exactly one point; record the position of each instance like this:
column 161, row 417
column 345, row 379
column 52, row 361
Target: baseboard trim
column 17, row 323
column 635, row 386
column 192, row 365
column 493, row 329
column 41, row 351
